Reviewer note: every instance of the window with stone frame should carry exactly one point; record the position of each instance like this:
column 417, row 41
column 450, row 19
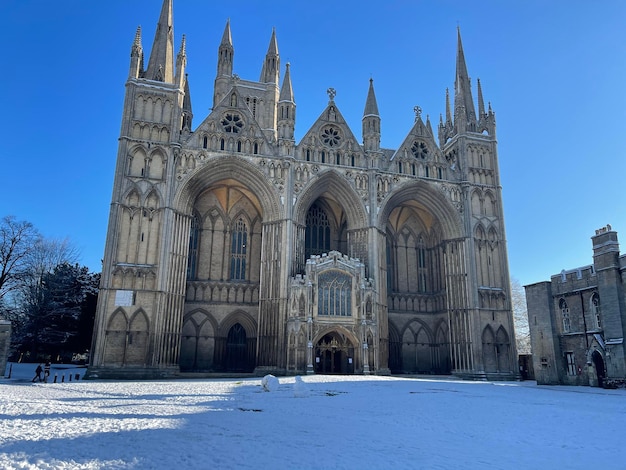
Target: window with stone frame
column 335, row 293
column 232, row 123
column 419, row 150
column 238, row 250
column 194, row 237
column 567, row 326
column 571, row 363
column 317, row 233
column 595, row 310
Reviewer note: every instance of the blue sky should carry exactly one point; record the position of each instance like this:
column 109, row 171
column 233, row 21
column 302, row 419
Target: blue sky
column 554, row 72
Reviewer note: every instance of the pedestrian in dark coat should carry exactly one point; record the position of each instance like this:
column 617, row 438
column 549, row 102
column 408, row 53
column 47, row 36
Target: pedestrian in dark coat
column 38, row 372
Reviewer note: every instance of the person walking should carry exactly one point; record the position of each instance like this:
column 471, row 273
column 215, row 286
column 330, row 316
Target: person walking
column 38, row 372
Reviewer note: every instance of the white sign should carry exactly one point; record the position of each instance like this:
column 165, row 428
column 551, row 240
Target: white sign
column 124, row 298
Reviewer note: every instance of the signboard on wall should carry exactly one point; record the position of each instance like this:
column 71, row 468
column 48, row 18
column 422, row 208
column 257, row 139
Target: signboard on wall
column 124, row 298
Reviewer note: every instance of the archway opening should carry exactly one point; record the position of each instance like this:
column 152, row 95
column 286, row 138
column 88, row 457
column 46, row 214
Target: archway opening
column 237, row 354
column 598, row 363
column 334, row 354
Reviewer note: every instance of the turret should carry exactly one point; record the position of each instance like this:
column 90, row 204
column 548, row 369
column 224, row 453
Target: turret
column 136, row 56
column 270, row 72
column 161, row 64
column 371, row 122
column 286, row 115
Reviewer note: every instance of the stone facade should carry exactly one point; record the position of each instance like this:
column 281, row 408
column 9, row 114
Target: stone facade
column 232, row 247
column 577, row 320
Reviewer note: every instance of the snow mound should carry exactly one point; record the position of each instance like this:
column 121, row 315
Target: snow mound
column 270, row 383
column 300, row 389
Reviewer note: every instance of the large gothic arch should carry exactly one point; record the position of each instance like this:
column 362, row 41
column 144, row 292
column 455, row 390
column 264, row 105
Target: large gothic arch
column 427, row 197
column 230, row 168
column 332, row 184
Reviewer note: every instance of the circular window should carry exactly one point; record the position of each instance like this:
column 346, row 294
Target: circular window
column 331, row 137
column 232, row 123
column 419, row 150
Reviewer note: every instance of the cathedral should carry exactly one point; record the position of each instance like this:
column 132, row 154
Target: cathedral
column 234, row 248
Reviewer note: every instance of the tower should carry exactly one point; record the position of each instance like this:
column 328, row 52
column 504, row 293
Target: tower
column 234, row 247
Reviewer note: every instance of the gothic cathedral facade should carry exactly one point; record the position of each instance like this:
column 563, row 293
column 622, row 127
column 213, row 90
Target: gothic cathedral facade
column 233, row 248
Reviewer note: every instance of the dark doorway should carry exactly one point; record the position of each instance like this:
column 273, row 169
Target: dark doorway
column 334, row 354
column 598, row 362
column 237, row 350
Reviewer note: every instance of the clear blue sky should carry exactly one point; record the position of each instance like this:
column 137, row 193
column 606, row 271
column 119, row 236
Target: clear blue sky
column 554, row 72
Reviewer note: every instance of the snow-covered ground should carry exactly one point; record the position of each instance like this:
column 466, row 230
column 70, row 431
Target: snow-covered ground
column 338, row 422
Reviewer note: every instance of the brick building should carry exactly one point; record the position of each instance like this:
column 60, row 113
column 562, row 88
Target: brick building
column 578, row 319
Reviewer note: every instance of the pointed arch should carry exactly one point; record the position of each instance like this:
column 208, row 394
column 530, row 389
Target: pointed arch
column 427, row 198
column 334, row 186
column 198, row 341
column 137, row 342
column 490, row 359
column 229, row 168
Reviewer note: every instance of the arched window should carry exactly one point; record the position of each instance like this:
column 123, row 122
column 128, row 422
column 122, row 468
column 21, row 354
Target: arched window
column 595, row 310
column 335, row 294
column 238, row 250
column 421, row 265
column 194, row 237
column 205, row 142
column 221, row 144
column 256, row 148
column 317, row 234
column 567, row 326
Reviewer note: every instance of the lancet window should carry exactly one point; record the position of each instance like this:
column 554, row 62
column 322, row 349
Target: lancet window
column 317, row 235
column 238, row 250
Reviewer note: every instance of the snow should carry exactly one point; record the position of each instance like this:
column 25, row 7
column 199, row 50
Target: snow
column 319, row 421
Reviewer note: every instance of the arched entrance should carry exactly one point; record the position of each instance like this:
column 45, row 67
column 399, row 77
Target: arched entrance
column 334, row 354
column 598, row 363
column 237, row 358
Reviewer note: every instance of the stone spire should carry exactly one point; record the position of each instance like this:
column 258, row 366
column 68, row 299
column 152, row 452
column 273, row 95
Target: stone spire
column 286, row 116
column 136, row 56
column 271, row 67
column 161, row 64
column 181, row 64
column 464, row 113
column 371, row 121
column 187, row 112
column 226, row 53
column 286, row 92
column 481, row 102
column 371, row 105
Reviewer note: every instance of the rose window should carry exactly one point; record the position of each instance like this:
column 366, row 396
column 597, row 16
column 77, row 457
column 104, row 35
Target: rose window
column 232, row 123
column 331, row 137
column 419, row 150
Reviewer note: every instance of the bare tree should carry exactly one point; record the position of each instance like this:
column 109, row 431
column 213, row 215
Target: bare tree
column 17, row 239
column 520, row 317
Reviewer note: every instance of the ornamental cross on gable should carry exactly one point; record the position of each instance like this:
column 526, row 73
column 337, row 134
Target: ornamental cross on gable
column 331, row 93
